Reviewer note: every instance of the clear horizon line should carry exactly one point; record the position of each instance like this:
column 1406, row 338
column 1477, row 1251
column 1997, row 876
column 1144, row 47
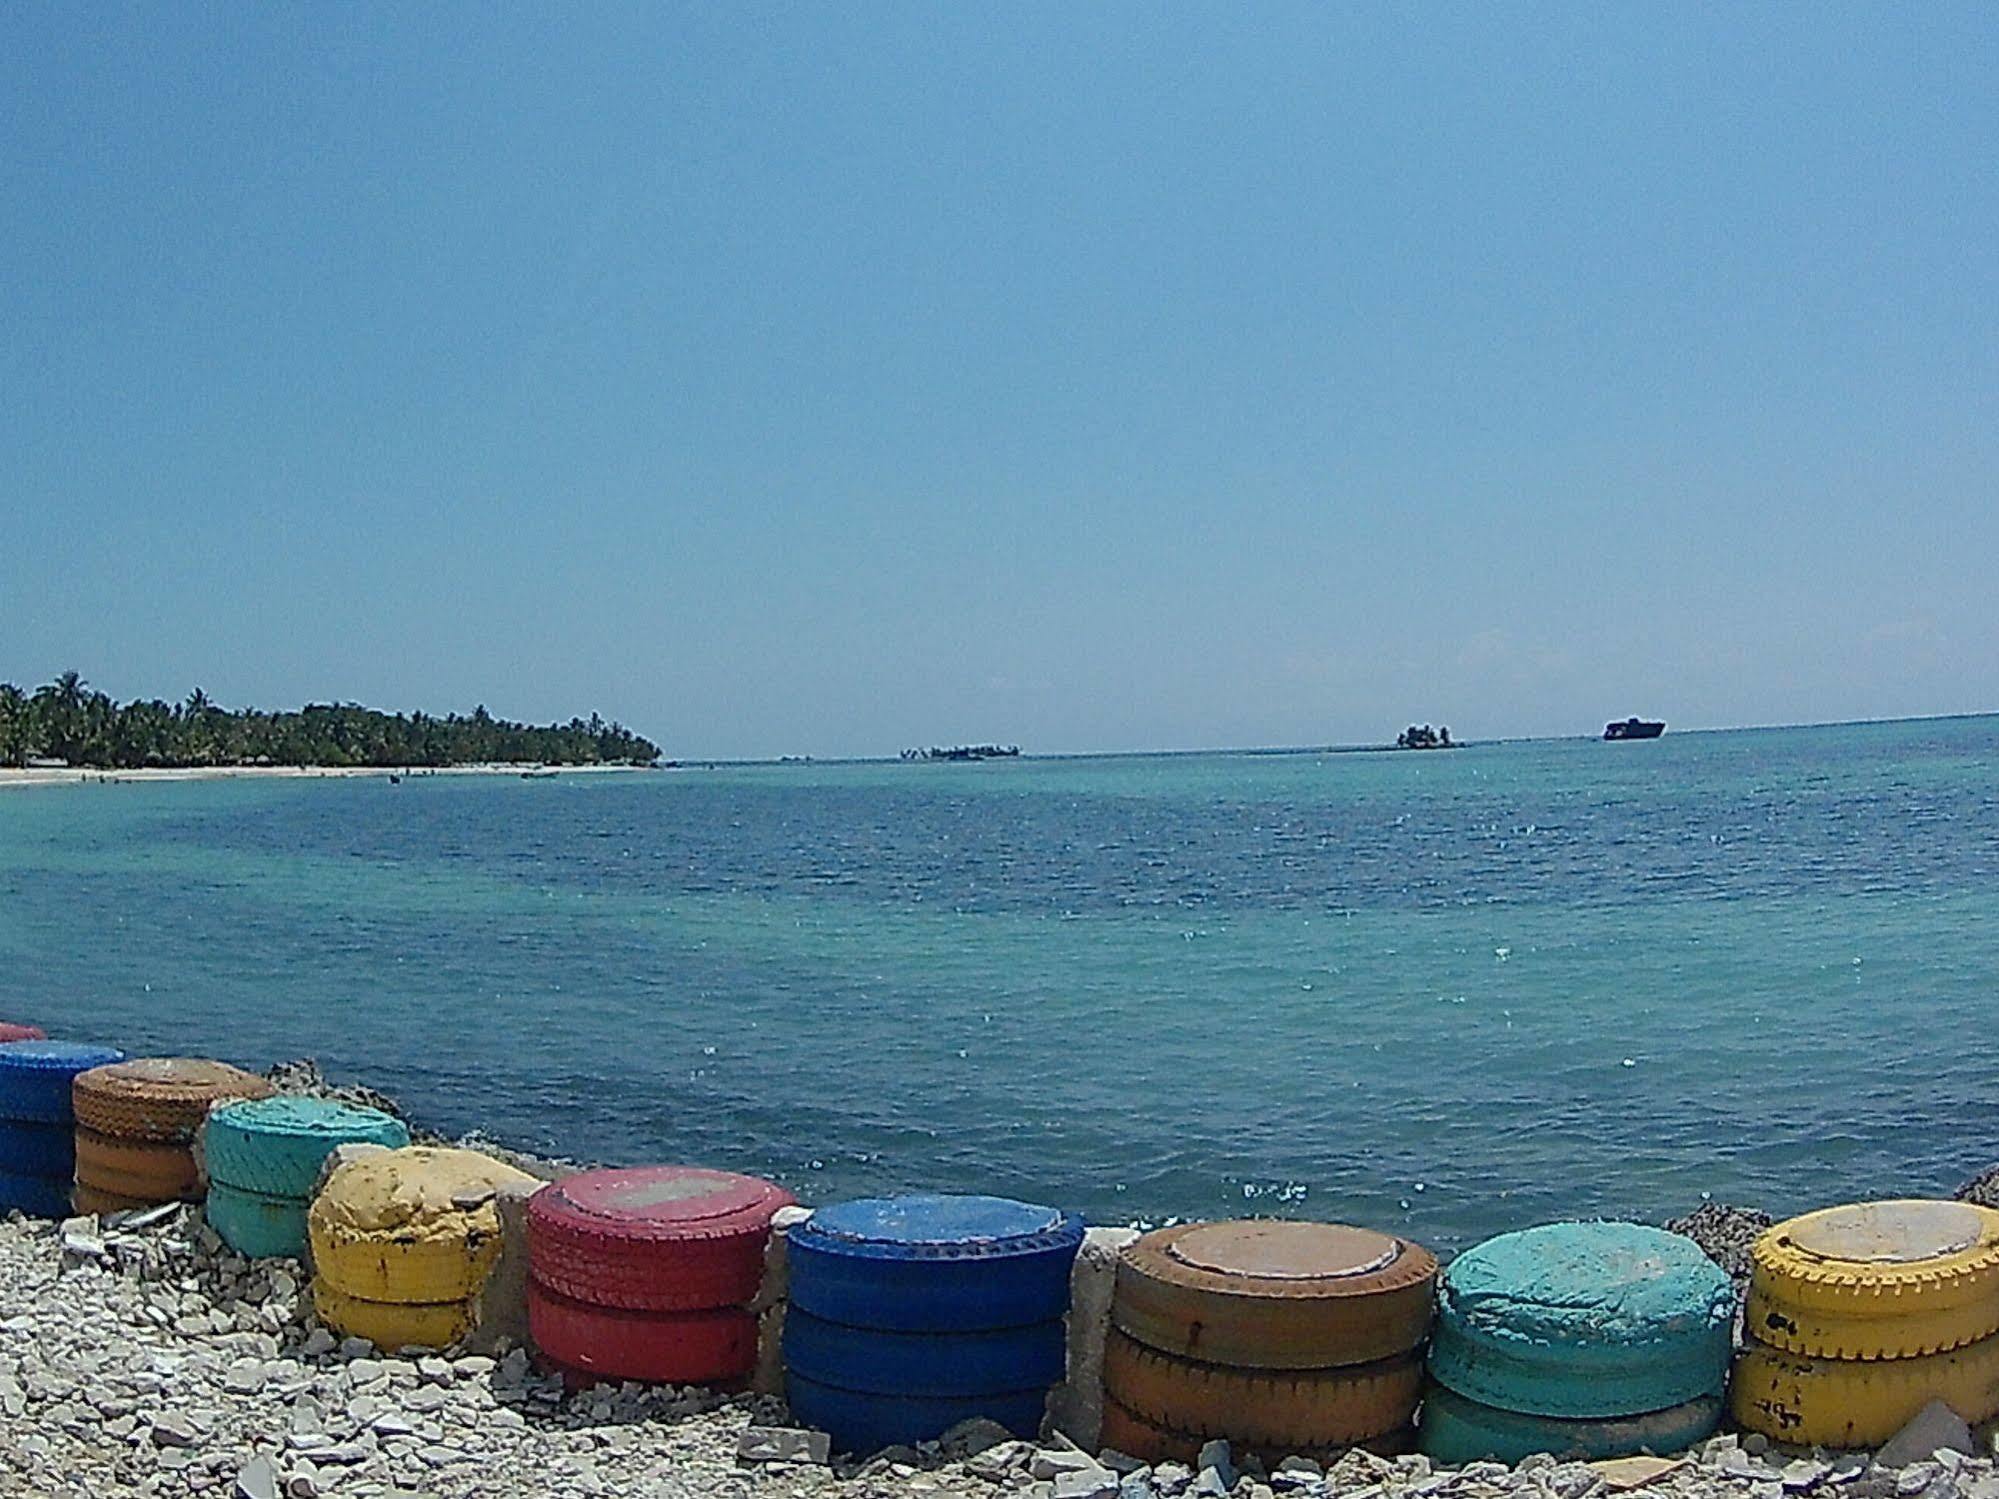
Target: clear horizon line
column 1323, row 749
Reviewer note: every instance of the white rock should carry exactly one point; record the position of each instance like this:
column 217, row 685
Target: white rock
column 1053, row 1464
column 1934, row 1428
column 782, row 1444
column 257, row 1479
column 173, row 1431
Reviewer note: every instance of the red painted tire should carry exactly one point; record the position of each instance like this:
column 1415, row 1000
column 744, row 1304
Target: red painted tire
column 653, row 1238
column 705, row 1347
column 11, row 1032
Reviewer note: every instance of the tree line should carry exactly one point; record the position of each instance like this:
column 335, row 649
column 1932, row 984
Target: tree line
column 1424, row 737
column 67, row 720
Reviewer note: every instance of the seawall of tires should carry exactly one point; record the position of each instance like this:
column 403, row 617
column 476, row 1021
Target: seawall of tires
column 1281, row 1338
column 38, row 1122
column 1859, row 1316
column 1597, row 1339
column 908, row 1315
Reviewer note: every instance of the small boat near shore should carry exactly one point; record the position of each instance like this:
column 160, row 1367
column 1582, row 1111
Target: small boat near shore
column 1634, row 728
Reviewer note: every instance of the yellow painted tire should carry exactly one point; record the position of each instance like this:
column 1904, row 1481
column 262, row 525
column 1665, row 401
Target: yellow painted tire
column 1877, row 1280
column 416, row 1227
column 392, row 1326
column 1820, row 1402
column 402, row 1272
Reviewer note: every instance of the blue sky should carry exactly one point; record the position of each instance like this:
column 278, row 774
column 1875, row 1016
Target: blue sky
column 825, row 380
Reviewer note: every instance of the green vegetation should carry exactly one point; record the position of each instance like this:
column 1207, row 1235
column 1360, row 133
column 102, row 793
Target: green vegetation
column 66, row 720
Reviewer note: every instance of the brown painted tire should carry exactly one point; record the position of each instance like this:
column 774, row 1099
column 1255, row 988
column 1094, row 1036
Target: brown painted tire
column 1130, row 1433
column 1261, row 1294
column 158, row 1098
column 1287, row 1411
column 142, row 1171
column 87, row 1199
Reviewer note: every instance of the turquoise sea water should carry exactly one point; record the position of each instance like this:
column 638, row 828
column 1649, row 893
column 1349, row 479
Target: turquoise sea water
column 1449, row 993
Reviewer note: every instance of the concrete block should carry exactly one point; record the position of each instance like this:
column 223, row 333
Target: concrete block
column 502, row 1312
column 1076, row 1406
column 770, row 1302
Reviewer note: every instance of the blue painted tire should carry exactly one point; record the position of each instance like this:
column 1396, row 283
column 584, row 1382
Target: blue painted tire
column 35, row 1077
column 37, row 1196
column 928, row 1263
column 275, row 1147
column 37, row 1149
column 256, row 1226
column 1456, row 1431
column 863, row 1423
column 873, row 1362
column 1584, row 1321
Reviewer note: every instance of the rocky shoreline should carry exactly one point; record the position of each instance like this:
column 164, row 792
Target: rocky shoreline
column 145, row 1358
column 148, row 1360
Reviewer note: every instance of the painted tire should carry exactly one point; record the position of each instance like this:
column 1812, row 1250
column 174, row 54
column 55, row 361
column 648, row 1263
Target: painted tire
column 1285, row 1411
column 1877, row 1280
column 946, row 1364
column 1584, row 1320
column 862, row 1423
column 391, row 1327
column 389, row 1227
column 37, row 1149
column 276, row 1147
column 656, row 1238
column 143, row 1172
column 89, row 1200
column 36, row 1196
column 158, row 1098
column 1132, row 1434
column 1259, row 1294
column 926, row 1263
column 398, row 1272
column 35, row 1077
column 9, row 1031
column 1456, row 1431
column 1819, row 1402
column 258, row 1227
column 701, row 1347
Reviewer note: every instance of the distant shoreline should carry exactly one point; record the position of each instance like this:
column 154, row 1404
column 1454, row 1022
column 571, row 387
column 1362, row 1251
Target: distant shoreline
column 92, row 776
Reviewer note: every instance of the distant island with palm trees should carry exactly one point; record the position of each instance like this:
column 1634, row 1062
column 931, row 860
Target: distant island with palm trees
column 67, row 723
column 1424, row 737
column 965, row 752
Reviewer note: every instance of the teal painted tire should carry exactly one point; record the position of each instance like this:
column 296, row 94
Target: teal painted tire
column 275, row 1147
column 1455, row 1431
column 1584, row 1321
column 256, row 1226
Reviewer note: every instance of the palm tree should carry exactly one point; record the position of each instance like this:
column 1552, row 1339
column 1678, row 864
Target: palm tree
column 15, row 745
column 61, row 704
